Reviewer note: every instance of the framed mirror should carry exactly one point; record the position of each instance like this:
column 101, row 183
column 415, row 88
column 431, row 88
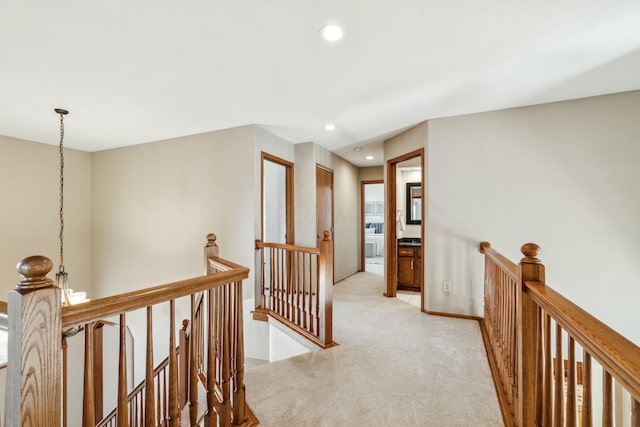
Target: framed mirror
column 414, row 203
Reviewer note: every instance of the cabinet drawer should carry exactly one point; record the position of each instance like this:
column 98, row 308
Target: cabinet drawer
column 405, row 251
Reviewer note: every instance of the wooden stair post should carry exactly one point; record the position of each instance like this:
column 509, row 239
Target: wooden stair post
column 325, row 288
column 530, row 269
column 35, row 343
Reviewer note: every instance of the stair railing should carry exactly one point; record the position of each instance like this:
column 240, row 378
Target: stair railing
column 36, row 325
column 525, row 328
column 296, row 288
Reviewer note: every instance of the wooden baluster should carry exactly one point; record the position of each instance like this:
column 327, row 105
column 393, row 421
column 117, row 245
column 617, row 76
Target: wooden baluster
column 165, row 396
column 304, row 289
column 259, row 273
column 88, row 414
column 35, row 324
column 210, row 419
column 98, row 370
column 123, row 407
column 531, row 269
column 311, row 290
column 512, row 348
column 548, row 374
column 558, row 407
column 295, row 316
column 174, row 411
column 272, row 284
column 587, row 411
column 503, row 289
column 159, row 389
column 571, row 386
column 193, row 368
column 239, row 414
column 325, row 294
column 225, row 409
column 607, row 399
column 183, row 365
column 149, row 400
column 283, row 283
column 316, row 301
column 540, row 369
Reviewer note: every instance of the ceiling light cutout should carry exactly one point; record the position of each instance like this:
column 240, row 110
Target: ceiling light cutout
column 329, row 126
column 331, row 32
column 369, row 157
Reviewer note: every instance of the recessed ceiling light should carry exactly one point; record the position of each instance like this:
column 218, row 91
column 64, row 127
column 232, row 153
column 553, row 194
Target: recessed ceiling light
column 369, row 157
column 331, row 32
column 329, row 126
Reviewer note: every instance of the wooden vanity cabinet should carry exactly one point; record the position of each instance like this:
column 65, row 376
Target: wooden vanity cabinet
column 409, row 267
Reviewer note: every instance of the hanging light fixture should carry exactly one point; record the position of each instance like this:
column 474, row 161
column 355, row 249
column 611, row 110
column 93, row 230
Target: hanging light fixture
column 62, row 278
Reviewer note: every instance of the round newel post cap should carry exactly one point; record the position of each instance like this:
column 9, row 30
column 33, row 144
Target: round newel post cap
column 530, row 252
column 211, row 239
column 34, row 269
column 326, row 235
column 484, row 246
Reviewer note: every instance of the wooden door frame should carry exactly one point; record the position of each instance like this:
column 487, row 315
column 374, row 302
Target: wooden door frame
column 362, row 236
column 290, row 227
column 391, row 238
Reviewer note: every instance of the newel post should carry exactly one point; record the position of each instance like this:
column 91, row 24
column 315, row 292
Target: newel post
column 325, row 288
column 531, row 269
column 211, row 250
column 34, row 369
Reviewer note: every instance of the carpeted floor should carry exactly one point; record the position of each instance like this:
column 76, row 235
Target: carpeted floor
column 395, row 366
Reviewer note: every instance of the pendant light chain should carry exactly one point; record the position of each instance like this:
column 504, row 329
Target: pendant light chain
column 61, row 191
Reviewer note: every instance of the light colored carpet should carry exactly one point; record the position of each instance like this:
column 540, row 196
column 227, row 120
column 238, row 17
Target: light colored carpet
column 395, row 366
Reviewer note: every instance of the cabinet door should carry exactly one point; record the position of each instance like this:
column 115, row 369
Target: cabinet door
column 405, row 271
column 418, row 269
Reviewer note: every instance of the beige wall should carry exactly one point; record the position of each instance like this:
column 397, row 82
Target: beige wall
column 372, row 173
column 346, row 206
column 153, row 206
column 563, row 175
column 408, row 141
column 29, row 217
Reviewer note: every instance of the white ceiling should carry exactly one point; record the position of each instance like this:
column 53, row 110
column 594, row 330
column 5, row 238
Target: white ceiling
column 141, row 71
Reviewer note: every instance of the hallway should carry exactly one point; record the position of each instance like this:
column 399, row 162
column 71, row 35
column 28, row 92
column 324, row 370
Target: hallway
column 395, row 366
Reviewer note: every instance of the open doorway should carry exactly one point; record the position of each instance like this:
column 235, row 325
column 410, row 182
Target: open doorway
column 405, row 226
column 277, row 200
column 372, row 226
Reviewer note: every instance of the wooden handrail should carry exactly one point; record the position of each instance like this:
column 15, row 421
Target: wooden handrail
column 102, row 308
column 38, row 322
column 288, row 247
column 297, row 288
column 503, row 262
column 618, row 355
column 541, row 387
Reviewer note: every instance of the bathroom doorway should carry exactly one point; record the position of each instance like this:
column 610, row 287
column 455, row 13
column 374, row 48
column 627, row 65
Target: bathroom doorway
column 405, row 211
column 372, row 226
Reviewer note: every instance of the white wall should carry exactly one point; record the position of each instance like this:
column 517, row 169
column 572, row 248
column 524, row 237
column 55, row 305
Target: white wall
column 562, row 175
column 29, row 218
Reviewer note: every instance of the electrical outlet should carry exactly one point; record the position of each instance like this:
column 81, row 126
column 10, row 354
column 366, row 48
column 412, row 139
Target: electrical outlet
column 446, row 286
